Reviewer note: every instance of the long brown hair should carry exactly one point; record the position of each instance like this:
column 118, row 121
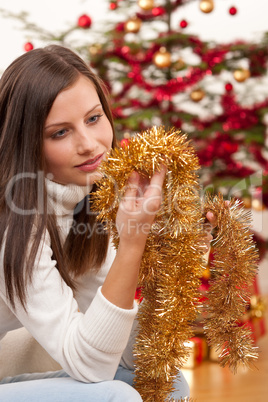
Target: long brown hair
column 28, row 89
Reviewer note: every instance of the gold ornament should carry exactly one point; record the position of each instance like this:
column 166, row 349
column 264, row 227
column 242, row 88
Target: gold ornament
column 162, row 58
column 179, row 65
column 146, row 4
column 95, row 49
column 246, row 202
column 132, row 25
column 257, row 307
column 197, row 95
column 241, row 74
column 257, row 205
column 206, row 6
column 127, row 135
column 173, row 262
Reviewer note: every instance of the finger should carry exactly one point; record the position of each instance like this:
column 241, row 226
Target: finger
column 212, row 219
column 209, row 238
column 207, row 227
column 153, row 194
column 159, row 177
column 156, row 183
column 132, row 189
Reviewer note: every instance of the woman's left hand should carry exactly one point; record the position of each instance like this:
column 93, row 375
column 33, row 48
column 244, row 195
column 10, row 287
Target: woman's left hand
column 209, row 225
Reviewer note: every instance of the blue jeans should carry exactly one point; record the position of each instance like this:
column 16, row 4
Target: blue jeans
column 57, row 386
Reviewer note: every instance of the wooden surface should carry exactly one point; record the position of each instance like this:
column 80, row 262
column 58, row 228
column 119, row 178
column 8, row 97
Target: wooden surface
column 211, row 383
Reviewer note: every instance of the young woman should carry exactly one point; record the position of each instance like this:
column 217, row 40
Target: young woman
column 59, row 275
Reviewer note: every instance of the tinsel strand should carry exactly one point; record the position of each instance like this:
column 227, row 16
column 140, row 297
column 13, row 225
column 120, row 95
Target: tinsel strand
column 173, row 264
column 234, row 268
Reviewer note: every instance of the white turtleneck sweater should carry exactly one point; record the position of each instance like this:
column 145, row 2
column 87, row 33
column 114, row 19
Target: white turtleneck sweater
column 84, row 333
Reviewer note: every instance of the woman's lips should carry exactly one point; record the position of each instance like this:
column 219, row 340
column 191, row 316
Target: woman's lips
column 90, row 164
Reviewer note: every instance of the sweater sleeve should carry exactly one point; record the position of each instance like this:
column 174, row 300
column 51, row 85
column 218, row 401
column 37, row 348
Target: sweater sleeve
column 88, row 346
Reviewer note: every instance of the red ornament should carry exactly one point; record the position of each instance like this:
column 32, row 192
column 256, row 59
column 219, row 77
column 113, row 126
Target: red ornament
column 120, row 27
column 84, row 21
column 158, row 11
column 125, row 50
column 113, row 5
column 124, row 142
column 232, row 10
column 228, row 87
column 183, row 24
column 28, row 46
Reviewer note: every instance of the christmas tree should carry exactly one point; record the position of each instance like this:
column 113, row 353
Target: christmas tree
column 158, row 74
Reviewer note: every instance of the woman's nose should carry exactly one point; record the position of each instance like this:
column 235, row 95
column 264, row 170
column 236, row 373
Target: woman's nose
column 85, row 143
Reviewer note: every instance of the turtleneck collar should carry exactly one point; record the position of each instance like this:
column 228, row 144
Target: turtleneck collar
column 64, row 198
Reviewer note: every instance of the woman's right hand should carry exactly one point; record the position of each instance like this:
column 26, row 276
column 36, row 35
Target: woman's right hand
column 136, row 213
column 138, row 208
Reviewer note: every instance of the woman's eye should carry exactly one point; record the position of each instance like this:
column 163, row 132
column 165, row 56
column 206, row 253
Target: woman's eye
column 94, row 118
column 59, row 133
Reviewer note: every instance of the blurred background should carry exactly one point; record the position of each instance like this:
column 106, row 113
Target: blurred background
column 197, row 65
column 250, row 22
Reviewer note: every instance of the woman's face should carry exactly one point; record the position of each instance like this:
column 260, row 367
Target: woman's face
column 77, row 135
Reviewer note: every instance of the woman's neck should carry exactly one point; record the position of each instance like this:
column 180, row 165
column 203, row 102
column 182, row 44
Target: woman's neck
column 64, row 198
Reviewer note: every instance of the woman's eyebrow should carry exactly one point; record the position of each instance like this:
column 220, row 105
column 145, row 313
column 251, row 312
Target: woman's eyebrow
column 64, row 122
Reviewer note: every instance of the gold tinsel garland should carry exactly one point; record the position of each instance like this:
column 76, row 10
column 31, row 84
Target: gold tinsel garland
column 173, row 263
column 234, row 268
